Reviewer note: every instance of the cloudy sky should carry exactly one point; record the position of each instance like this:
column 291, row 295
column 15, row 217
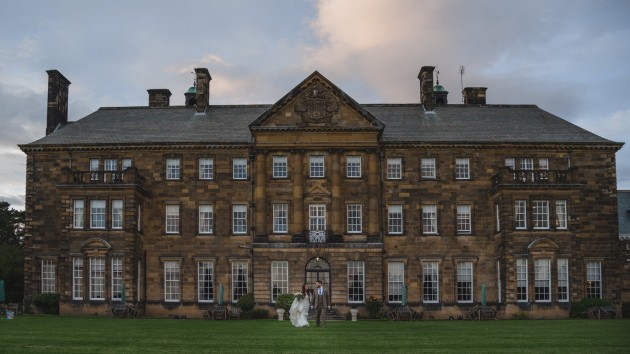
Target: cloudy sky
column 571, row 58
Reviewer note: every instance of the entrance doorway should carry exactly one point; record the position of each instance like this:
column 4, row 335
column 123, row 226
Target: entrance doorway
column 318, row 268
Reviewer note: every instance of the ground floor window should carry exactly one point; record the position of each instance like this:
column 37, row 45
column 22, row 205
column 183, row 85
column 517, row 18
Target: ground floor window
column 48, row 276
column 77, row 278
column 239, row 280
column 594, row 279
column 279, row 279
column 97, row 278
column 205, row 281
column 563, row 279
column 395, row 281
column 117, row 278
column 430, row 282
column 542, row 280
column 356, row 281
column 464, row 282
column 171, row 281
column 521, row 280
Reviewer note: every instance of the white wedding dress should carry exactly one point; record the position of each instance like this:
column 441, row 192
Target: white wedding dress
column 298, row 314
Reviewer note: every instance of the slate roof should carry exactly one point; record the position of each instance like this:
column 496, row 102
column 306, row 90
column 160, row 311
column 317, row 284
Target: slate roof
column 623, row 210
column 404, row 123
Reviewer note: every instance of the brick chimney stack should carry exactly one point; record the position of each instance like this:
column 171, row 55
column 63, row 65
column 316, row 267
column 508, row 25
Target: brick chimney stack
column 159, row 97
column 475, row 95
column 57, row 114
column 426, row 87
column 203, row 89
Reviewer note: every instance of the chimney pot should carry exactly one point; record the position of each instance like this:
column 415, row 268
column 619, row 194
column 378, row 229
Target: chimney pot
column 202, row 99
column 159, row 97
column 57, row 113
column 475, row 95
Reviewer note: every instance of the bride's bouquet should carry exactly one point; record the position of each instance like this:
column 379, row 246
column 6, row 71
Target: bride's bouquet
column 299, row 296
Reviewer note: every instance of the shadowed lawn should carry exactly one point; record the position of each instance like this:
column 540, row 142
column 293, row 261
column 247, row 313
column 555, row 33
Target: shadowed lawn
column 55, row 334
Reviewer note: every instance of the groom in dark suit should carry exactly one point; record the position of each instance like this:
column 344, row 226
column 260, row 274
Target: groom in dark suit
column 321, row 303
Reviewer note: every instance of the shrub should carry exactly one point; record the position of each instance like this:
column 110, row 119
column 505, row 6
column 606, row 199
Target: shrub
column 246, row 302
column 578, row 309
column 625, row 310
column 520, row 316
column 48, row 303
column 257, row 314
column 284, row 301
column 374, row 307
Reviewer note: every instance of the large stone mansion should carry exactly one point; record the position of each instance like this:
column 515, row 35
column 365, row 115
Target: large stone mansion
column 441, row 206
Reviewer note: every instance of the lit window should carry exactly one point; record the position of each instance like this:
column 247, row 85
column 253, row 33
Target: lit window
column 465, row 282
column 172, row 169
column 279, row 279
column 394, row 168
column 427, row 168
column 171, row 281
column 354, row 217
column 395, row 219
column 205, row 219
column 206, row 168
column 239, row 168
column 279, row 167
column 205, row 281
column 317, row 166
column 353, row 167
column 395, row 281
column 509, row 162
column 239, row 219
column 462, row 168
column 356, row 280
column 429, row 219
column 430, row 282
column 280, row 218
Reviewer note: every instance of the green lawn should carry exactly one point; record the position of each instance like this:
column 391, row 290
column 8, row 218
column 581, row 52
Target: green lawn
column 55, row 334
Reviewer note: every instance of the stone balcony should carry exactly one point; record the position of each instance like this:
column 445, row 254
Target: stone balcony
column 507, row 177
column 128, row 177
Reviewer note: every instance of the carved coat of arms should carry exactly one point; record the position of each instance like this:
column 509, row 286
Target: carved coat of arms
column 316, row 104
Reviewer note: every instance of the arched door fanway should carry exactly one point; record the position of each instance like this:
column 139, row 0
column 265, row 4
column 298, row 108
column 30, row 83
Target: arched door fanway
column 317, row 268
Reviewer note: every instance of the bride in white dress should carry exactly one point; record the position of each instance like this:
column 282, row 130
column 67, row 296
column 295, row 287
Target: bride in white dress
column 298, row 314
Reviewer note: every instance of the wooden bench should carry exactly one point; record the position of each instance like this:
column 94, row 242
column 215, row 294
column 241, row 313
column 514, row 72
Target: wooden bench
column 598, row 313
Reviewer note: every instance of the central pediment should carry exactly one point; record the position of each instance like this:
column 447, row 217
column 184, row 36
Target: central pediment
column 317, row 103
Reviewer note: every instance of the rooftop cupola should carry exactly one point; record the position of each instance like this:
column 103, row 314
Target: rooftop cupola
column 440, row 95
column 190, row 96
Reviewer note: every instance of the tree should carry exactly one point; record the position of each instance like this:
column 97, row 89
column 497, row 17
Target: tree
column 11, row 252
column 11, row 225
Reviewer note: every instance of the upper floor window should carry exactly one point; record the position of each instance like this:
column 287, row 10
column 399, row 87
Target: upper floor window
column 464, row 219
column 355, row 218
column 110, row 164
column 543, row 163
column 172, row 219
column 206, row 168
column 117, row 214
column 126, row 163
column 78, row 214
column 462, row 168
column 239, row 168
column 280, row 218
column 316, row 166
column 97, row 214
column 427, row 168
column 561, row 214
column 205, row 219
column 527, row 163
column 394, row 168
column 95, row 168
column 429, row 219
column 239, row 219
column 353, row 167
column 280, row 167
column 540, row 214
column 394, row 219
column 173, row 169
column 520, row 214
column 509, row 162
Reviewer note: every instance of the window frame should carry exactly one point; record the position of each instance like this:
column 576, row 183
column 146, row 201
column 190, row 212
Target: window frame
column 172, row 219
column 429, row 219
column 520, row 214
column 594, row 280
column 206, row 168
column 463, row 217
column 562, row 215
column 117, row 278
column 118, row 213
column 353, row 166
column 431, row 282
column 280, row 167
column 462, row 168
column 395, row 282
column 354, row 218
column 395, row 224
column 239, row 219
column 98, row 275
column 356, row 282
column 279, row 279
column 238, row 279
column 317, row 168
column 95, row 211
column 563, row 279
column 522, row 284
column 78, row 214
column 77, row 278
column 205, row 281
column 540, row 214
column 465, row 282
column 239, row 168
column 280, row 217
column 428, row 168
column 172, row 281
column 205, row 219
column 49, row 276
column 394, row 168
column 173, row 169
column 542, row 280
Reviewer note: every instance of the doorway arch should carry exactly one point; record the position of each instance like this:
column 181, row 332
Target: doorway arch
column 317, row 268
